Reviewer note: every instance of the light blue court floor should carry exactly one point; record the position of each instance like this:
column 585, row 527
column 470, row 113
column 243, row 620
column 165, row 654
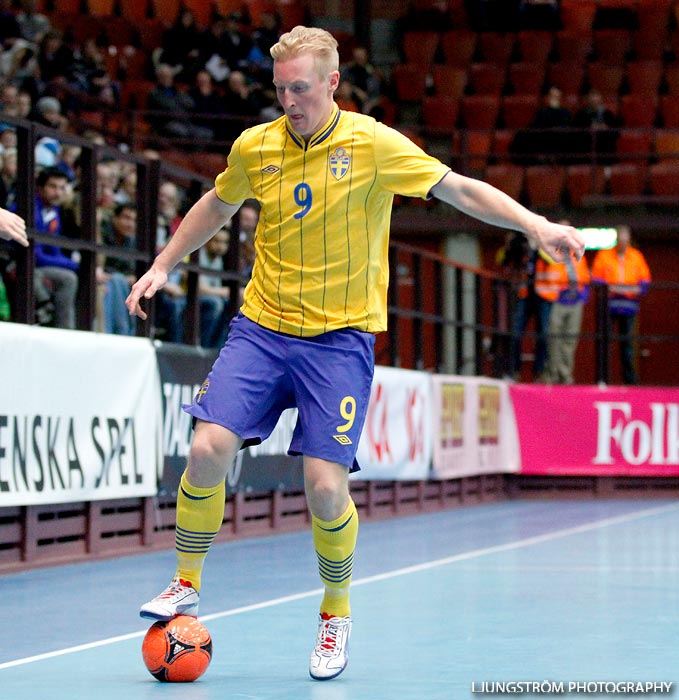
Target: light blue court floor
column 525, row 591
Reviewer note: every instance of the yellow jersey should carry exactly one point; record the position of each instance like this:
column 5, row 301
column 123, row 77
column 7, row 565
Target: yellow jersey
column 322, row 240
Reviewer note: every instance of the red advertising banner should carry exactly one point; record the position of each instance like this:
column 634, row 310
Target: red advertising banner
column 609, row 431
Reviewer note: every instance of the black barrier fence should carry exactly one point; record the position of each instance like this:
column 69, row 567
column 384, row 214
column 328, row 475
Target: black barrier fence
column 444, row 316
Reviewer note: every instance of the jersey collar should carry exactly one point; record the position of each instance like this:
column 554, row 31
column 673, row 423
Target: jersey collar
column 321, row 135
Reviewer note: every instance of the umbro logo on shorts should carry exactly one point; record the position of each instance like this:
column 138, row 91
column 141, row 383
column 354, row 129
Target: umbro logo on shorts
column 343, row 439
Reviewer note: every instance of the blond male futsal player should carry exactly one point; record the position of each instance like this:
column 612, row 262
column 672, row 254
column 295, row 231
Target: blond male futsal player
column 305, row 333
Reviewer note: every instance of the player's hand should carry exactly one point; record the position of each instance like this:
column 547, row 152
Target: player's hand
column 144, row 288
column 13, row 228
column 559, row 241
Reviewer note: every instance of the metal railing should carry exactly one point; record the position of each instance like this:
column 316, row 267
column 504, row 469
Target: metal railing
column 443, row 316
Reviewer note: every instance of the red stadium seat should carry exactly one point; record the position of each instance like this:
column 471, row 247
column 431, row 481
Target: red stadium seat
column 135, row 10
column 409, row 82
column 439, row 115
column 605, row 78
column 637, row 143
column 583, row 181
column 627, row 179
column 612, row 46
column 448, row 81
column 545, row 184
column 578, row 15
column 508, row 178
column 644, row 77
column 487, row 78
column 518, row 111
column 476, row 147
column 573, row 47
column 101, row 8
column 526, row 78
column 479, row 111
column 496, row 47
column 663, row 179
column 638, row 110
column 535, row 47
column 167, row 10
column 420, row 47
column 568, row 76
column 458, row 47
column 672, row 78
column 666, row 144
column 669, row 111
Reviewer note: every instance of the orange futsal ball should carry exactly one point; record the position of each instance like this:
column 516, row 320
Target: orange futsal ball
column 177, row 651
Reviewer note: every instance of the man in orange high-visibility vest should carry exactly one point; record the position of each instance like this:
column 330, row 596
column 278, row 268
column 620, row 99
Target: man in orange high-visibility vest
column 625, row 271
column 566, row 285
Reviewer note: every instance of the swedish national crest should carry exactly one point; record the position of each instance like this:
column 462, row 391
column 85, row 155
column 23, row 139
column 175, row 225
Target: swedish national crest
column 340, row 161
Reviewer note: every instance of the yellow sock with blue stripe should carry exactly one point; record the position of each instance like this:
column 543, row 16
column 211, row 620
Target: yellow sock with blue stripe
column 335, row 542
column 200, row 512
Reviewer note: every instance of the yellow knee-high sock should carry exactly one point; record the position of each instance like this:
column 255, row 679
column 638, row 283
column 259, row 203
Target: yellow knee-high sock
column 200, row 512
column 335, row 542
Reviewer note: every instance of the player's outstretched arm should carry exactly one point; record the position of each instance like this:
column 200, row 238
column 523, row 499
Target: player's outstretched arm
column 201, row 222
column 13, row 228
column 487, row 203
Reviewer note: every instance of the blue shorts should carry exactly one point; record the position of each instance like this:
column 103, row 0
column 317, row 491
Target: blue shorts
column 259, row 373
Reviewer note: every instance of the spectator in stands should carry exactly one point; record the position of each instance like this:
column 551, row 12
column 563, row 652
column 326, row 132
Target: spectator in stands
column 107, row 180
column 169, row 211
column 208, row 100
column 172, row 299
column 365, row 78
column 548, row 138
column 181, row 46
column 211, row 57
column 68, row 161
column 119, row 231
column 175, row 107
column 346, row 98
column 625, row 270
column 8, row 175
column 19, row 65
column 24, row 104
column 247, row 226
column 235, row 44
column 267, row 33
column 34, row 25
column 126, row 191
column 214, row 295
column 259, row 61
column 47, row 111
column 242, row 99
column 9, row 96
column 569, row 284
column 9, row 25
column 602, row 133
column 519, row 260
column 55, row 59
column 56, row 272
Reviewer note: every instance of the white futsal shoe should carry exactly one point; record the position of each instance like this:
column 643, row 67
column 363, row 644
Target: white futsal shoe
column 331, row 653
column 179, row 598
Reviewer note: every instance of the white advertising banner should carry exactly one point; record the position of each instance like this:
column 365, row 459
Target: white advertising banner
column 397, row 437
column 474, row 427
column 80, row 416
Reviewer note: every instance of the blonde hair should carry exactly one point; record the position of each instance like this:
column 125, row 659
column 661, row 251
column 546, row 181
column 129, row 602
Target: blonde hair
column 308, row 40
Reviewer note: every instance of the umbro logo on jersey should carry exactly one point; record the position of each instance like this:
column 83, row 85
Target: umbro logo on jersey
column 340, row 161
column 270, row 169
column 343, row 439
